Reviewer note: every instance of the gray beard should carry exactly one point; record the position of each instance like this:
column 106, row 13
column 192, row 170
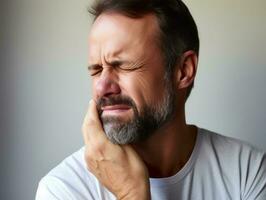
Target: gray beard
column 143, row 125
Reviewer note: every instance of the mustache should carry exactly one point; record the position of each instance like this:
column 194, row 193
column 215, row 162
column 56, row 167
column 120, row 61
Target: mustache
column 114, row 100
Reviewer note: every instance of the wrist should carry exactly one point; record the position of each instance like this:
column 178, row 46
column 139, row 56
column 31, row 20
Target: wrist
column 138, row 193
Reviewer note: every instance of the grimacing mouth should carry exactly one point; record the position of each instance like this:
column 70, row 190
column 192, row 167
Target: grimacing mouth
column 114, row 103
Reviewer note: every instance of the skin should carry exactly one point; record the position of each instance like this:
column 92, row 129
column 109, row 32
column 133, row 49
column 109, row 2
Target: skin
column 124, row 59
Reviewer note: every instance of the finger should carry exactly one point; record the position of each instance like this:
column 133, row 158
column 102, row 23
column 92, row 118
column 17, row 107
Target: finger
column 93, row 116
column 92, row 127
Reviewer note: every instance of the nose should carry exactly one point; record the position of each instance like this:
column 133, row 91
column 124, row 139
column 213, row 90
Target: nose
column 107, row 84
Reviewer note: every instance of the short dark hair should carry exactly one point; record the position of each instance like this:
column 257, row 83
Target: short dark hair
column 178, row 30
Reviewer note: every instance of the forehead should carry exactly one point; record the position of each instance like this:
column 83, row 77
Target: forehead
column 118, row 33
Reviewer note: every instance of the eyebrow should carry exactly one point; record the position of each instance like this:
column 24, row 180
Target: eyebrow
column 112, row 63
column 93, row 66
column 116, row 62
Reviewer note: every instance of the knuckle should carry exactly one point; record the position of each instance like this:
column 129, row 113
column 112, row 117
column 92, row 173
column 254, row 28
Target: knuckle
column 99, row 146
column 88, row 154
column 90, row 166
column 91, row 161
column 95, row 151
column 89, row 122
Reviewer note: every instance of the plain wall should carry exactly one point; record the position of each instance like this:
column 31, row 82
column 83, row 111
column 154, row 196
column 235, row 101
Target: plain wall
column 45, row 86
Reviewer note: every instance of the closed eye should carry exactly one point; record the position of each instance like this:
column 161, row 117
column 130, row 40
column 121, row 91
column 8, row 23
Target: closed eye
column 94, row 69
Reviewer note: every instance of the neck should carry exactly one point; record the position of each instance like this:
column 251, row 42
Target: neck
column 168, row 150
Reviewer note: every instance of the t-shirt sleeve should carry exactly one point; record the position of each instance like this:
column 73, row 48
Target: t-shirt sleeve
column 71, row 180
column 43, row 192
column 255, row 180
column 52, row 188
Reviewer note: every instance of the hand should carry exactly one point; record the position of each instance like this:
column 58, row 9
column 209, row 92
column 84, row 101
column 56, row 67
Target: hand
column 118, row 168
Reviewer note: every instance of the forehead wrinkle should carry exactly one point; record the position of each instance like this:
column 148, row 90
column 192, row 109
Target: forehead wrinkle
column 103, row 55
column 112, row 54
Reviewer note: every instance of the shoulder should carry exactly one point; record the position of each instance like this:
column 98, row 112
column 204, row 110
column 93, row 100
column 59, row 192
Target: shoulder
column 238, row 161
column 230, row 148
column 70, row 180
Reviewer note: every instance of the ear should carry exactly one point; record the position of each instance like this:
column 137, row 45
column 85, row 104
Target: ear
column 186, row 71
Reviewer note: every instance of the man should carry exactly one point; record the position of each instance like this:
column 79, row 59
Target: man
column 143, row 58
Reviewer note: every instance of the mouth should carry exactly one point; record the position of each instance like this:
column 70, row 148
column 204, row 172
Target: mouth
column 115, row 109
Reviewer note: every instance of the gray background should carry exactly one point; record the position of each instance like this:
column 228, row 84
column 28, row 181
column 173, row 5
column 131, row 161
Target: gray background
column 45, row 87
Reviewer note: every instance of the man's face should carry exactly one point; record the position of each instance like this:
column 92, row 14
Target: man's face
column 128, row 76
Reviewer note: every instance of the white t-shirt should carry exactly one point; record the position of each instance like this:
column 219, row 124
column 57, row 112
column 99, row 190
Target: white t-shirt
column 220, row 168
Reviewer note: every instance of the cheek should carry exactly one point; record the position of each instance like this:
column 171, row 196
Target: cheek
column 144, row 90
